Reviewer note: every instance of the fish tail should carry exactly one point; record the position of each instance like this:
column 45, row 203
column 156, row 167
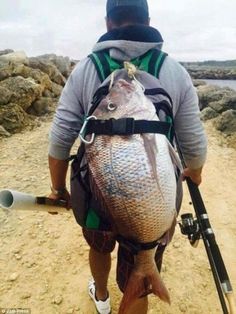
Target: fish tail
column 139, row 285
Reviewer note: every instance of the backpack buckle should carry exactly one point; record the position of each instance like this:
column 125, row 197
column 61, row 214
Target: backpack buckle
column 123, row 126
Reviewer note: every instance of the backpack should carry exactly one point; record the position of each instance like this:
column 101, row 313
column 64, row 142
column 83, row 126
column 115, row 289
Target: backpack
column 86, row 207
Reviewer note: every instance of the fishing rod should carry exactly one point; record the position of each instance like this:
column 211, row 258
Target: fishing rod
column 201, row 228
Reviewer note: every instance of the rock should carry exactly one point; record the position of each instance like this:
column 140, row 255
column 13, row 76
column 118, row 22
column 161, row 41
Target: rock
column 208, row 113
column 226, row 103
column 56, row 89
column 176, row 245
column 70, row 311
column 57, row 299
column 15, row 57
column 13, row 277
column 198, row 83
column 63, row 64
column 48, row 93
column 183, row 308
column 6, row 51
column 38, row 76
column 6, row 69
column 5, row 96
column 3, row 132
column 24, row 90
column 208, row 94
column 226, row 122
column 18, row 257
column 13, row 118
column 41, row 106
column 48, row 68
column 26, row 295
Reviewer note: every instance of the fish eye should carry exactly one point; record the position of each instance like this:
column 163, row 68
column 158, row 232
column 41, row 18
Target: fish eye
column 111, row 106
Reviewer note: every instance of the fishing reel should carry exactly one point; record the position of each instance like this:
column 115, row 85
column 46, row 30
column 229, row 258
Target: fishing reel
column 190, row 227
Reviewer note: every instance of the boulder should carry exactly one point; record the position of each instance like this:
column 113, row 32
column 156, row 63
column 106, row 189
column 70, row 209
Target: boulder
column 226, row 103
column 5, row 96
column 56, row 89
column 38, row 76
column 6, row 69
column 63, row 64
column 210, row 93
column 6, row 51
column 41, row 106
column 24, row 90
column 208, row 113
column 16, row 57
column 226, row 122
column 48, row 68
column 13, row 118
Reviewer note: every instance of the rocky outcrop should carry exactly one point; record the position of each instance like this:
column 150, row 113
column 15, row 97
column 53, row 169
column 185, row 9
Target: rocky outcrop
column 226, row 122
column 29, row 88
column 217, row 70
column 218, row 104
column 212, row 73
column 63, row 64
column 13, row 118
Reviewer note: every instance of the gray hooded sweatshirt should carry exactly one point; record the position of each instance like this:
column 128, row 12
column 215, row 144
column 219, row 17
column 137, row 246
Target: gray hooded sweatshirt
column 76, row 97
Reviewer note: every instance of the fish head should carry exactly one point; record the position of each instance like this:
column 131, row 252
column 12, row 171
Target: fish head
column 125, row 100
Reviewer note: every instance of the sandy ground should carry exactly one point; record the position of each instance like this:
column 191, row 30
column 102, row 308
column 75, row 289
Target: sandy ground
column 43, row 258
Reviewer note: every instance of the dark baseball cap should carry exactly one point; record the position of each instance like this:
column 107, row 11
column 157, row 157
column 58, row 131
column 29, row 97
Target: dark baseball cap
column 112, row 4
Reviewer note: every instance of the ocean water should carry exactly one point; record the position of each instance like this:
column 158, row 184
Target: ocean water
column 222, row 83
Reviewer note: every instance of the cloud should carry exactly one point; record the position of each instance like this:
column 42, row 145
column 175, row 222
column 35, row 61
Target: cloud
column 193, row 30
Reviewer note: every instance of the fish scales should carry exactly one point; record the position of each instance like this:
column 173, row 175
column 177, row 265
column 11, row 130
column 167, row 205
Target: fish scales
column 139, row 195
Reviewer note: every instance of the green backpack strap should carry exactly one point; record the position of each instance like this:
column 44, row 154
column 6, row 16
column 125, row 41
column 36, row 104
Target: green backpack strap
column 150, row 62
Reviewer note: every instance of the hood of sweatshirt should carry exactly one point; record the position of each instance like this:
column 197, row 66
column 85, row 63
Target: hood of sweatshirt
column 129, row 42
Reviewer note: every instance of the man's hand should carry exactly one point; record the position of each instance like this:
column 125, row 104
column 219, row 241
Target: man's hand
column 65, row 197
column 194, row 174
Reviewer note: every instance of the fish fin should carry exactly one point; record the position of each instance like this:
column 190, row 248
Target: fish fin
column 139, row 285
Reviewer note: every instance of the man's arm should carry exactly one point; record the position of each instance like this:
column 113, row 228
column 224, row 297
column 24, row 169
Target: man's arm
column 58, row 170
column 190, row 132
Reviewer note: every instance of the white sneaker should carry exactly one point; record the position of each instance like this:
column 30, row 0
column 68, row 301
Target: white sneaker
column 103, row 307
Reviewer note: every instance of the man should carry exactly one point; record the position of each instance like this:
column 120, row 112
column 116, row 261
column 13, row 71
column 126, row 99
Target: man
column 129, row 36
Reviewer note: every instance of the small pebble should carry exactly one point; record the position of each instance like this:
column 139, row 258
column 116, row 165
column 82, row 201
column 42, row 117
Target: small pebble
column 57, row 300
column 183, row 308
column 16, row 251
column 18, row 256
column 13, row 277
column 176, row 245
column 26, row 295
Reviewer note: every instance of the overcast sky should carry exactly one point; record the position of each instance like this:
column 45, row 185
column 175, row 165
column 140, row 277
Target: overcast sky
column 192, row 29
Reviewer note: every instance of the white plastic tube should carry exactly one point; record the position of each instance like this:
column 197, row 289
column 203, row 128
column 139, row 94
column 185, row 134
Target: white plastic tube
column 14, row 200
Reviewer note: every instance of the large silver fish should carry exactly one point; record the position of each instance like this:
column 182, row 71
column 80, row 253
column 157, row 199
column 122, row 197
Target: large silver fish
column 134, row 178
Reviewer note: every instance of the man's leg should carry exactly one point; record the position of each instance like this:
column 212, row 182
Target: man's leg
column 100, row 265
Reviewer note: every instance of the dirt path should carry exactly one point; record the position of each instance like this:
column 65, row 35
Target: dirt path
column 43, row 258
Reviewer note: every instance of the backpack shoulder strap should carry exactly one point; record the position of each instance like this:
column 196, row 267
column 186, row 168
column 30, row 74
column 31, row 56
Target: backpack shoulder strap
column 104, row 64
column 156, row 61
column 150, row 62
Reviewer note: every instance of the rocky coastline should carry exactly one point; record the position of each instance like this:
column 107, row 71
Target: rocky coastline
column 30, row 88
